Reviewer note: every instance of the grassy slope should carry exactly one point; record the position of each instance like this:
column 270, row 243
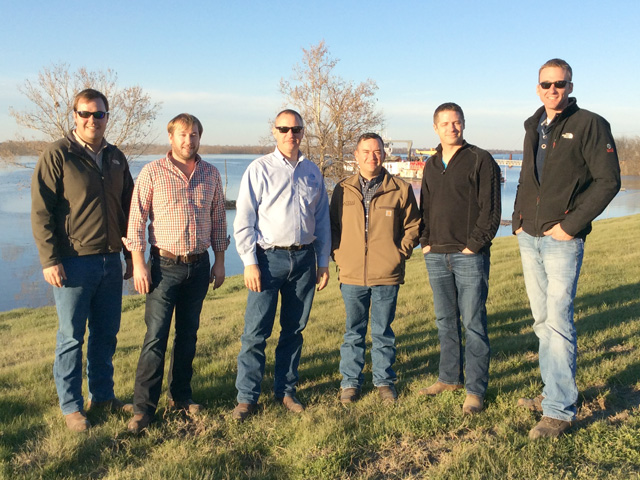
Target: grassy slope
column 418, row 438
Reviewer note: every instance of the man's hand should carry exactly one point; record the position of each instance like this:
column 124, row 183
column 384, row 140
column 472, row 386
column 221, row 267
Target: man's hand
column 252, row 278
column 322, row 277
column 518, row 231
column 128, row 272
column 54, row 275
column 217, row 274
column 426, row 249
column 141, row 273
column 557, row 233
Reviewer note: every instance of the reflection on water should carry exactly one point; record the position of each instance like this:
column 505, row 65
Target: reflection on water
column 22, row 283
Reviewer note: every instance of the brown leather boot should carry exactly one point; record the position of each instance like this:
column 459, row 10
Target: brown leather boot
column 472, row 404
column 139, row 422
column 439, row 387
column 77, row 422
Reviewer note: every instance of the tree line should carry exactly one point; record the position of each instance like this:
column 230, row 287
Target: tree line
column 336, row 111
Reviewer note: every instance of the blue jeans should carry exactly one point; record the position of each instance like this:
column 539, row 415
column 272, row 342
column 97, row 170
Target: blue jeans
column 93, row 291
column 291, row 274
column 551, row 269
column 357, row 300
column 182, row 287
column 460, row 285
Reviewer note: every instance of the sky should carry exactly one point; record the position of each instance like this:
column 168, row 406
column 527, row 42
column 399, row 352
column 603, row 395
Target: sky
column 223, row 60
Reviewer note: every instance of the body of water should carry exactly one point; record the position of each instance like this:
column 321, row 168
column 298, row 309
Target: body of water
column 22, row 281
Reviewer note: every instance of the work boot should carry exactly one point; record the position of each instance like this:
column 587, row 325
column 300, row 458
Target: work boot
column 388, row 394
column 77, row 422
column 111, row 405
column 291, row 403
column 349, row 395
column 533, row 404
column 188, row 406
column 139, row 422
column 549, row 427
column 439, row 387
column 472, row 404
column 243, row 410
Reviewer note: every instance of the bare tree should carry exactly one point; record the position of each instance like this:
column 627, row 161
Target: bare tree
column 131, row 115
column 629, row 155
column 335, row 111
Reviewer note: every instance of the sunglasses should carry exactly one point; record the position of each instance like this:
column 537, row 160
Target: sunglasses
column 558, row 84
column 98, row 115
column 286, row 129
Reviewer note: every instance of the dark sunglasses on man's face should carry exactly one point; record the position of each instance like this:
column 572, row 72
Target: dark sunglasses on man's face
column 98, row 115
column 286, row 129
column 558, row 84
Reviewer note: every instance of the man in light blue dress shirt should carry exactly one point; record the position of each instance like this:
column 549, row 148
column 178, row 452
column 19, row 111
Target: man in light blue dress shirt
column 282, row 234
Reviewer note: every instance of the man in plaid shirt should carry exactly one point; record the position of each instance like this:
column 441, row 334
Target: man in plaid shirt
column 182, row 197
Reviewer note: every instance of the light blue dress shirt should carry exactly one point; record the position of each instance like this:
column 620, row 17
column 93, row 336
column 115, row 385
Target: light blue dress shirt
column 282, row 205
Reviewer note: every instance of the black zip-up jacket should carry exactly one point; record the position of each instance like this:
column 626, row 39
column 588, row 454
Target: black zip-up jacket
column 460, row 205
column 76, row 209
column 581, row 174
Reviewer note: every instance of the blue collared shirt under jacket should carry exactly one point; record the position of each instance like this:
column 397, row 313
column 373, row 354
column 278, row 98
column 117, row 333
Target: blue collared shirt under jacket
column 281, row 205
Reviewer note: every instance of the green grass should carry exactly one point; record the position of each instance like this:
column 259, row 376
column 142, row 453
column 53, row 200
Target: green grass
column 417, row 438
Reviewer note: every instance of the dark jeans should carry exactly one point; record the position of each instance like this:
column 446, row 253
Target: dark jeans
column 292, row 275
column 183, row 287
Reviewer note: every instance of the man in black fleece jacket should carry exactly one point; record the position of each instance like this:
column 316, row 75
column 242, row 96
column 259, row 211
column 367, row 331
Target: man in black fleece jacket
column 460, row 204
column 570, row 173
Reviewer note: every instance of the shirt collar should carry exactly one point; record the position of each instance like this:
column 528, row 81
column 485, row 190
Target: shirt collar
column 84, row 144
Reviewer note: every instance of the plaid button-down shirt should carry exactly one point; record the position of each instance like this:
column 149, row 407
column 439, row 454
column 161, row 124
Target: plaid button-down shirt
column 369, row 188
column 187, row 214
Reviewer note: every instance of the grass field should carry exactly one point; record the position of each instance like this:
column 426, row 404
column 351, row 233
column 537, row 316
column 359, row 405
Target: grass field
column 417, row 438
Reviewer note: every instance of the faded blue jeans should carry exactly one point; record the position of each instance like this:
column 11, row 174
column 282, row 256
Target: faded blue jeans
column 93, row 291
column 551, row 269
column 460, row 285
column 382, row 300
column 291, row 275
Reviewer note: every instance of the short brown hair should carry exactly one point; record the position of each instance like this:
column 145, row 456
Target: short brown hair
column 557, row 62
column 186, row 120
column 90, row 94
column 448, row 107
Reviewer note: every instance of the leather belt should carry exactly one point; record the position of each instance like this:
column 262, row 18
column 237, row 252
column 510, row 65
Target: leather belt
column 294, row 248
column 190, row 258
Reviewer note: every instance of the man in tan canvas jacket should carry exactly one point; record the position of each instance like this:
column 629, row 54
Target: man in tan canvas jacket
column 374, row 228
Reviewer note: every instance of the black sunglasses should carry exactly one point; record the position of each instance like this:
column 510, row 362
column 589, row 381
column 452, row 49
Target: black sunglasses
column 98, row 115
column 558, row 84
column 286, row 129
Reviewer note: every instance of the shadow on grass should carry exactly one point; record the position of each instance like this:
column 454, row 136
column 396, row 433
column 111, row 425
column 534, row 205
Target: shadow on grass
column 15, row 427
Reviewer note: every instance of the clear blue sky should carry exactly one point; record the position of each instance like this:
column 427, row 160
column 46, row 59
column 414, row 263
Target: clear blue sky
column 223, row 61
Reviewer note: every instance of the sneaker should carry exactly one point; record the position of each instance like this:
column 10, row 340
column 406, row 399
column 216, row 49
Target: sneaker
column 439, row 387
column 77, row 422
column 139, row 422
column 388, row 393
column 533, row 404
column 291, row 403
column 243, row 410
column 349, row 395
column 549, row 427
column 188, row 406
column 111, row 405
column 472, row 405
